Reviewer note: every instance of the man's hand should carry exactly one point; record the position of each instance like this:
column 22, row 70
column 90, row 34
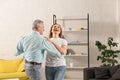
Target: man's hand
column 51, row 41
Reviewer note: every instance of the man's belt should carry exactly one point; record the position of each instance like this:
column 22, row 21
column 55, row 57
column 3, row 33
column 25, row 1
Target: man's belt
column 34, row 63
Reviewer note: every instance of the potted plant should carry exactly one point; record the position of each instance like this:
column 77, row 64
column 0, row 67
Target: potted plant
column 108, row 56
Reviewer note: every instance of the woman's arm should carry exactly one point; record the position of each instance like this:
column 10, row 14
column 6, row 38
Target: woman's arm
column 62, row 49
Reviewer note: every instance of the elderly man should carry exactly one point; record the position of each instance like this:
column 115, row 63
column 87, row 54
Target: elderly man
column 33, row 46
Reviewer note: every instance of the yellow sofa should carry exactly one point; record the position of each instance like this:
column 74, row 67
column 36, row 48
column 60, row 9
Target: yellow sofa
column 10, row 69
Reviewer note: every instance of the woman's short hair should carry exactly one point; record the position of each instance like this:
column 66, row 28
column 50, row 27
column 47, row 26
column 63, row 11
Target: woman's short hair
column 35, row 23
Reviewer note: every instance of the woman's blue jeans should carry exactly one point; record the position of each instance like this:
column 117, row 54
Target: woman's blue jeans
column 55, row 73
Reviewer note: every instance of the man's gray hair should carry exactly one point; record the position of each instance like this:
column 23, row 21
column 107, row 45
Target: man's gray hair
column 35, row 23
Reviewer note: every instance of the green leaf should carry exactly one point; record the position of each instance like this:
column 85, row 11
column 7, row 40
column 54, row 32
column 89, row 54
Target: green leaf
column 109, row 42
column 117, row 51
column 115, row 44
column 99, row 57
column 103, row 53
column 115, row 56
column 110, row 39
column 104, row 65
column 100, row 46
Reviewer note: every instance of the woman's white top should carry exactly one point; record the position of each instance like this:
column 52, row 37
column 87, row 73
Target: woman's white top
column 54, row 61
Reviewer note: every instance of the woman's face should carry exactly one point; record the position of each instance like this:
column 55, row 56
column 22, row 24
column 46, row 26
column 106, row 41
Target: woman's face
column 56, row 29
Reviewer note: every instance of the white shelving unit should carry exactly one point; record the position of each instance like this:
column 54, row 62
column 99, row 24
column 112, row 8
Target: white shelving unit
column 78, row 41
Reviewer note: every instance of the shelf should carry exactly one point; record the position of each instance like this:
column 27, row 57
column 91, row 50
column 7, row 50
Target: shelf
column 73, row 19
column 77, row 43
column 74, row 30
column 79, row 55
column 74, row 68
column 73, row 79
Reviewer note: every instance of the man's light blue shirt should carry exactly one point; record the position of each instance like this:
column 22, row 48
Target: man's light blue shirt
column 33, row 46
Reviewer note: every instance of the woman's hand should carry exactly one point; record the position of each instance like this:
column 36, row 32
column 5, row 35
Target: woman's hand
column 62, row 49
column 51, row 41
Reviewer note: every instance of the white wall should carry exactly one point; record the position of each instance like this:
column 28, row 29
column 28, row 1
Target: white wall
column 16, row 17
column 118, row 11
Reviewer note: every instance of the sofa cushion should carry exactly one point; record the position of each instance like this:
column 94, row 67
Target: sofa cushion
column 12, row 75
column 21, row 67
column 116, row 75
column 8, row 66
column 102, row 73
column 98, row 79
column 113, row 69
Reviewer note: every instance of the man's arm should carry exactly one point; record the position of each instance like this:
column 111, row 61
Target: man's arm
column 50, row 48
column 62, row 49
column 19, row 48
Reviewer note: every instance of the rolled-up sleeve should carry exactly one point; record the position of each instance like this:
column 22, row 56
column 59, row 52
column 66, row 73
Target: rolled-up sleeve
column 49, row 47
column 19, row 48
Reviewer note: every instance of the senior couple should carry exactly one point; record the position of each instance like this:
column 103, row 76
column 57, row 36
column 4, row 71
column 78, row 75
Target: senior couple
column 33, row 46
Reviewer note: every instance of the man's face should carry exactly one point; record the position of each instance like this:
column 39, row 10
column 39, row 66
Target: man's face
column 40, row 28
